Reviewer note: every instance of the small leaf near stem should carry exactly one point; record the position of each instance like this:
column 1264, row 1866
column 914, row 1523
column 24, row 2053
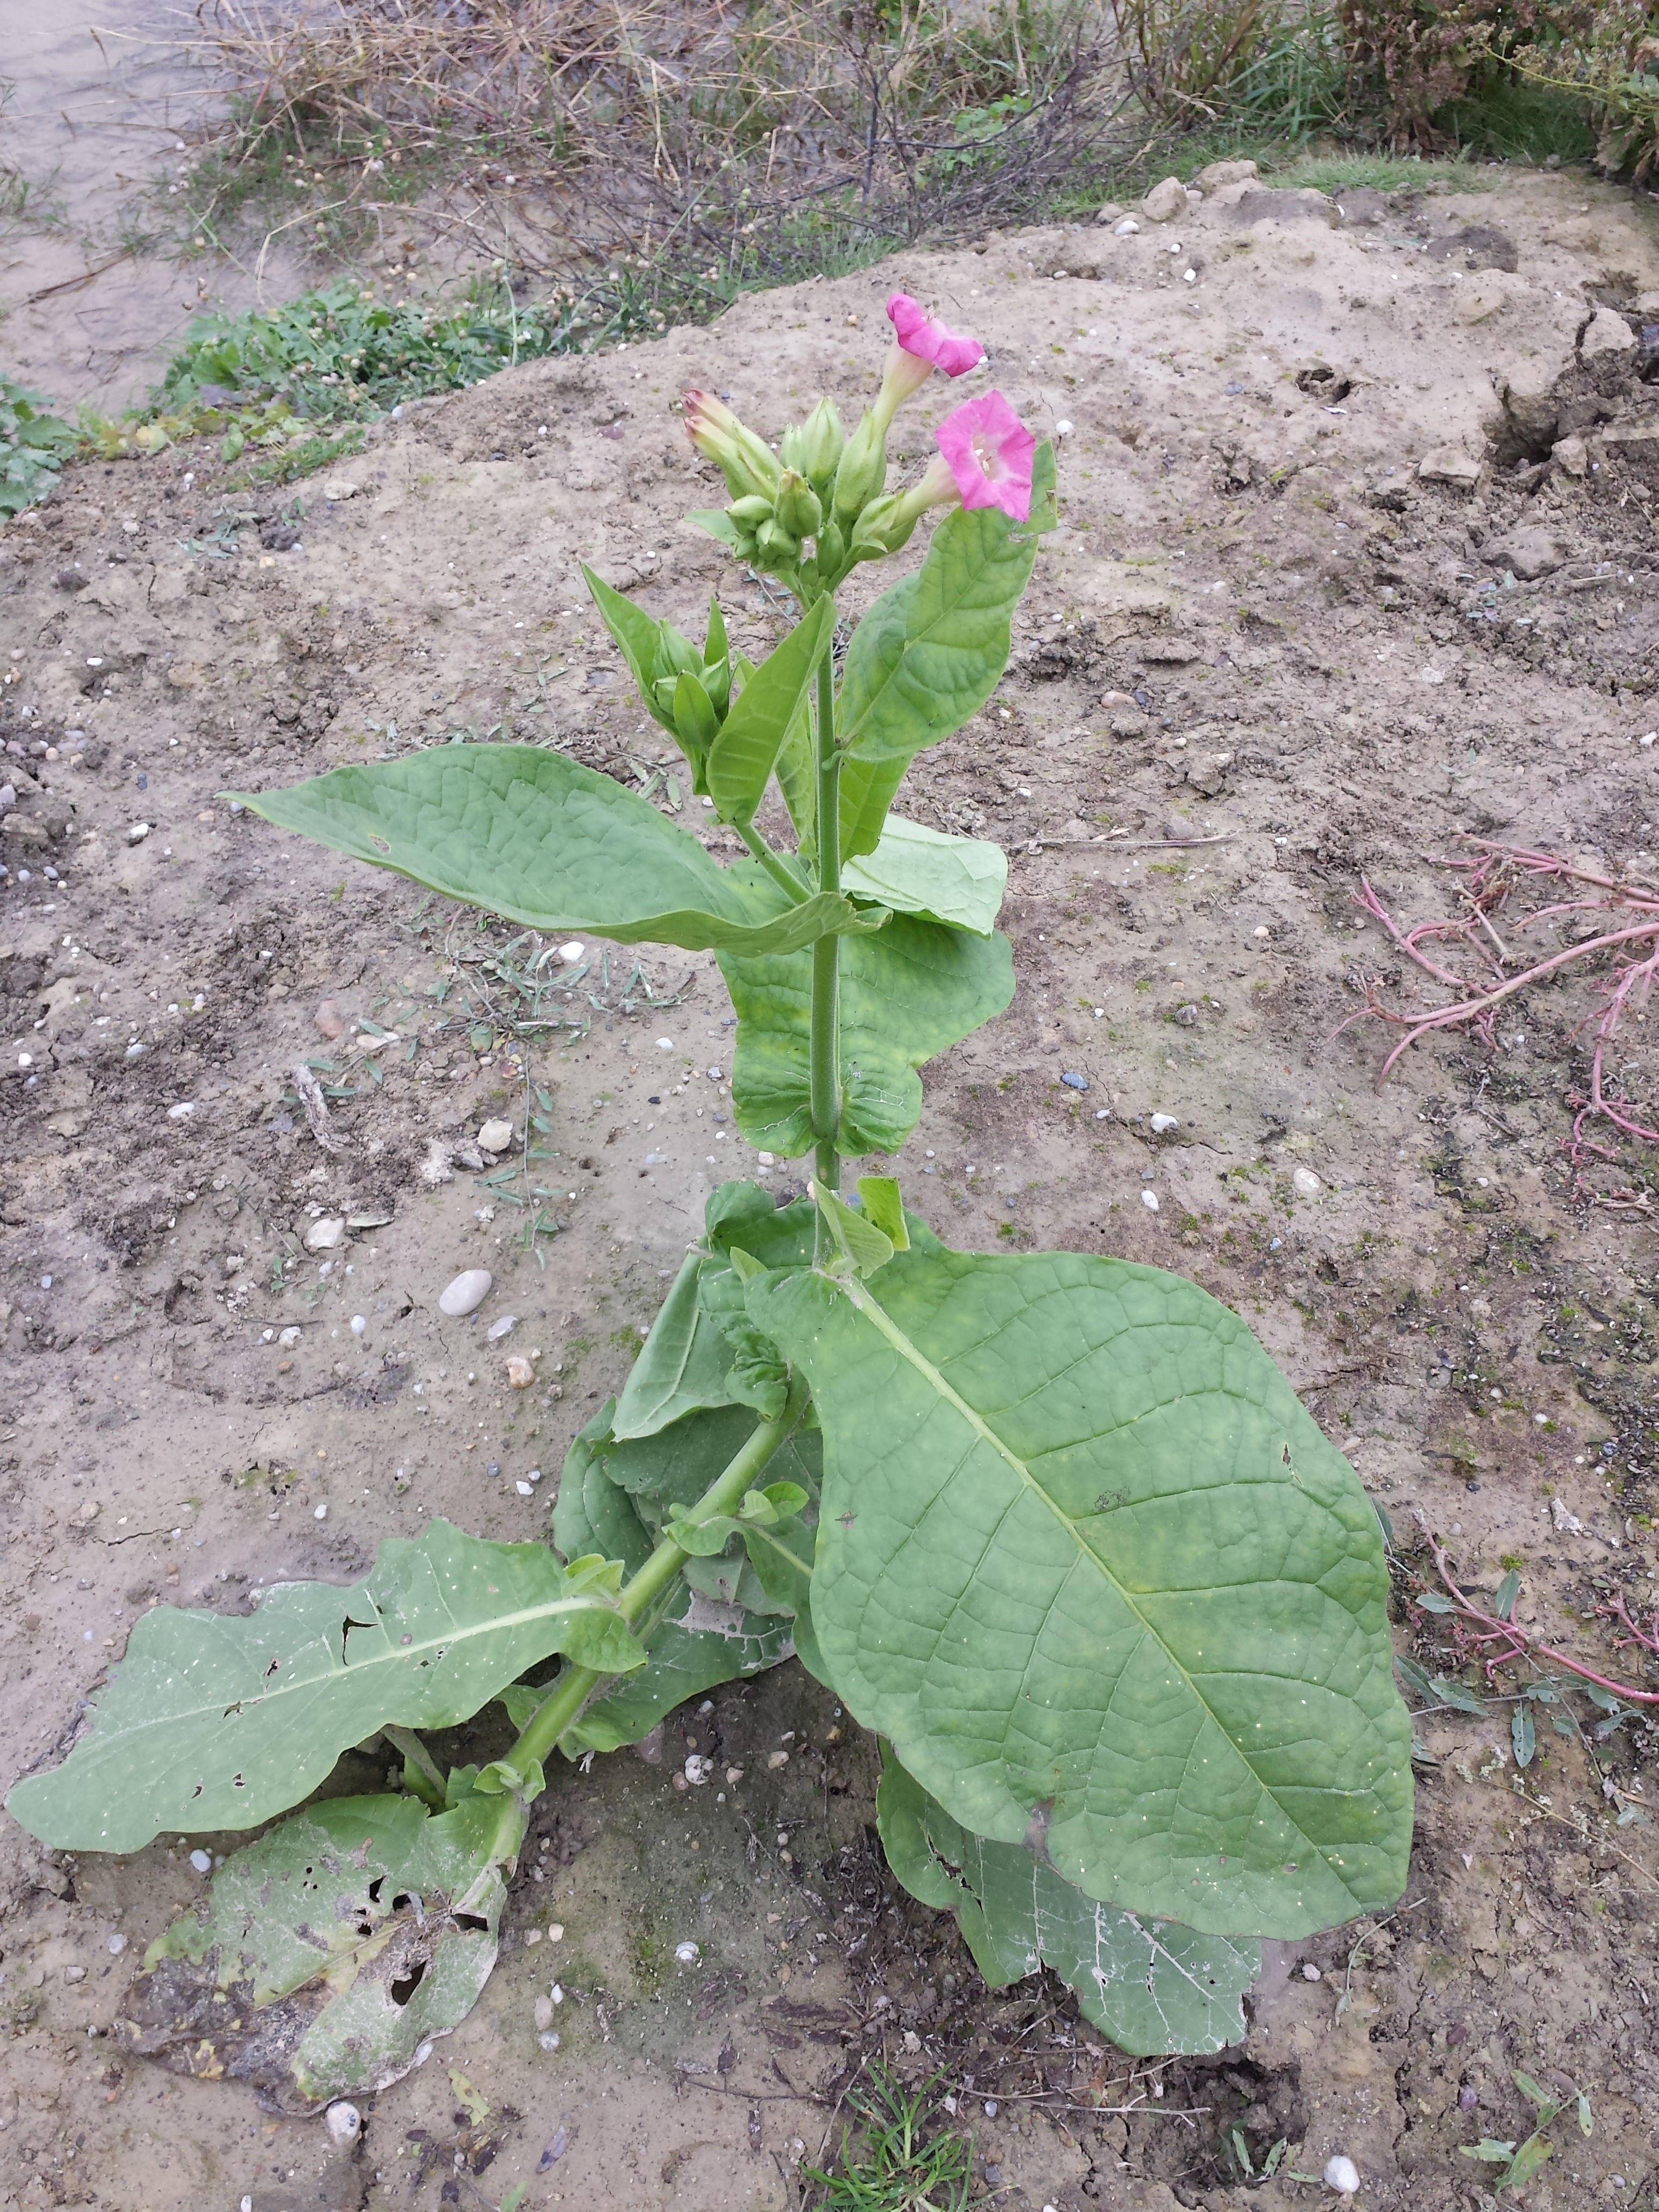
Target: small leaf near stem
column 576, row 1685
column 825, row 1048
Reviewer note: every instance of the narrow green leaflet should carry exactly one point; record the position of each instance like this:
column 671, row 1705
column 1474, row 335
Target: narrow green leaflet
column 868, row 788
column 741, row 759
column 537, row 837
column 684, row 1364
column 329, row 1952
column 1152, row 1985
column 638, row 639
column 214, row 1720
column 796, row 775
column 915, row 870
column 931, row 651
column 1088, row 1564
column 911, row 990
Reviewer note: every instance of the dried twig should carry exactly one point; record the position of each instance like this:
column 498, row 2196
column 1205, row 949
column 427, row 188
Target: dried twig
column 316, row 1110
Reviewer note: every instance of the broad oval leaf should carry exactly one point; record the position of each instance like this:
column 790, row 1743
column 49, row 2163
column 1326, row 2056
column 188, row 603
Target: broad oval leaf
column 741, row 756
column 540, row 839
column 915, row 870
column 928, row 654
column 215, row 1721
column 908, row 992
column 1153, row 1986
column 1085, row 1560
column 326, row 1953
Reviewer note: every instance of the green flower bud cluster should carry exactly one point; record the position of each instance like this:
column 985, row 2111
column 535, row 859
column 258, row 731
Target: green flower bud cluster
column 688, row 690
column 824, row 482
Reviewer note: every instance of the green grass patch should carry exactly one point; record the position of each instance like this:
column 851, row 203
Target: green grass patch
column 907, row 2161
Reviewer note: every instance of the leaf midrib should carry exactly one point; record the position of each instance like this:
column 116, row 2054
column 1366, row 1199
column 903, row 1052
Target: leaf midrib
column 907, row 1350
column 340, row 1670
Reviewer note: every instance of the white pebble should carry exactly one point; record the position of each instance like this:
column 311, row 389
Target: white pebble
column 321, row 1513
column 1305, row 1183
column 495, row 1136
column 1342, row 2175
column 202, row 1861
column 1149, row 1200
column 1309, row 1971
column 289, row 1337
column 556, row 1931
column 665, row 1044
column 182, row 1111
column 137, row 833
column 468, row 1291
column 1062, row 429
column 548, row 2039
column 504, row 1327
column 698, row 1770
column 524, row 1489
column 687, row 1953
column 326, row 1235
column 1127, row 229
column 544, row 2013
column 1163, row 1123
column 573, row 951
column 117, row 1944
column 359, row 1323
column 344, row 2122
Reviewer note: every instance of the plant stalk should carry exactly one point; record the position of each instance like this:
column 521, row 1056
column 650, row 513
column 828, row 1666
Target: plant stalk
column 577, row 1684
column 422, row 1772
column 825, row 1045
column 769, row 860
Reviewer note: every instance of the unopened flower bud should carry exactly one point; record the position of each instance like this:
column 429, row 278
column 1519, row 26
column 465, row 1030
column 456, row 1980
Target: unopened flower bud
column 749, row 514
column 675, row 651
column 883, row 527
column 776, row 544
column 695, row 721
column 799, row 510
column 746, row 462
column 814, row 447
column 831, row 551
column 863, row 470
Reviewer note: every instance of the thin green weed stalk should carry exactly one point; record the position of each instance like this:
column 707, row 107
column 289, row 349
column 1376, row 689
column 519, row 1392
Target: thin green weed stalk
column 908, row 2156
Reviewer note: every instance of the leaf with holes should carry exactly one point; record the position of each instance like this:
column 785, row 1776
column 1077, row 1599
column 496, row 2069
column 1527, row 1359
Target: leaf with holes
column 910, row 991
column 212, row 1720
column 1088, row 1564
column 1152, row 1985
column 537, row 837
column 326, row 1953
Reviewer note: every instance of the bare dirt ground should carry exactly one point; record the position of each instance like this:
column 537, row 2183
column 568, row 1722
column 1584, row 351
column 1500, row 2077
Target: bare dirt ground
column 1310, row 656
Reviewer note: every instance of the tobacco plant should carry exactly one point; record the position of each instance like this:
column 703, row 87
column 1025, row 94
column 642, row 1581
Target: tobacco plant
column 1054, row 1526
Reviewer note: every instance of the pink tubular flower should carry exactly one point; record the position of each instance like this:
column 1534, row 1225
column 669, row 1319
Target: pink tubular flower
column 989, row 452
column 919, row 334
column 747, row 464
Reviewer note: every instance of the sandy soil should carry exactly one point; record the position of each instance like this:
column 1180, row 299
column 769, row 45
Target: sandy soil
column 1310, row 656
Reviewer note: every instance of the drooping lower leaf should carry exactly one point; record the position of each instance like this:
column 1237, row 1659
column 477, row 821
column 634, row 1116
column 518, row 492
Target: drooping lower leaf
column 930, row 652
column 684, row 1364
column 1088, row 1562
column 329, row 1952
column 216, row 1721
column 539, row 838
column 916, row 869
column 1153, row 1986
column 909, row 992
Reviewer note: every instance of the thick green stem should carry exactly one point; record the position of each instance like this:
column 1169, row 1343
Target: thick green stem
column 577, row 1684
column 825, row 1045
column 769, row 860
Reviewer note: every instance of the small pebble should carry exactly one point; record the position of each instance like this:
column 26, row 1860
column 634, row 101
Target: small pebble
column 326, row 1235
column 75, row 1973
column 1149, row 1200
column 320, row 1513
column 990, row 2108
column 344, row 2122
column 556, row 1931
column 524, row 1489
column 1074, row 1082
column 202, row 1861
column 1305, row 1183
column 1163, row 1123
column 665, row 1044
column 504, row 1327
column 1467, row 2099
column 117, row 1944
column 359, row 1323
column 573, row 951
column 182, row 1111
column 495, row 1136
column 328, row 1021
column 548, row 2039
column 1127, row 229
column 468, row 1291
column 544, row 2013
column 289, row 1337
column 1309, row 1971
column 1342, row 2175
column 519, row 1373
column 137, row 833
column 688, row 1953
column 698, row 1770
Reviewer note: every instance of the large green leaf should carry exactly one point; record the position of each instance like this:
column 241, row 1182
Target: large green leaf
column 915, row 870
column 215, row 1721
column 930, row 652
column 329, row 1952
column 1152, row 1985
column 536, row 837
column 742, row 758
column 910, row 991
column 1088, row 1562
column 684, row 1364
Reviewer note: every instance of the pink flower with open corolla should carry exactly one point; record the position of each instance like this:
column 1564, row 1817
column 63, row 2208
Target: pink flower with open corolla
column 989, row 451
column 930, row 341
